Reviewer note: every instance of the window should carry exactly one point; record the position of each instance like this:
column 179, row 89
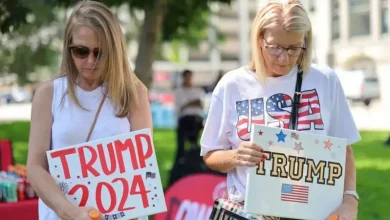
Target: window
column 335, row 19
column 385, row 17
column 359, row 16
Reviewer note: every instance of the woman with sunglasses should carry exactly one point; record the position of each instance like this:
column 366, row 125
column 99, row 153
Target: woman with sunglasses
column 263, row 93
column 96, row 86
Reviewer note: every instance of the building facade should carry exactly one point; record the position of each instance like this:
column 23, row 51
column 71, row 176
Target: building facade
column 353, row 34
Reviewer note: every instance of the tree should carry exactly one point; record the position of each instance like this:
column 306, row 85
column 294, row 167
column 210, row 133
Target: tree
column 164, row 19
column 13, row 13
column 26, row 45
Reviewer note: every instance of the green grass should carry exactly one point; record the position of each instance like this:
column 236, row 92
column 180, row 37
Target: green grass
column 372, row 162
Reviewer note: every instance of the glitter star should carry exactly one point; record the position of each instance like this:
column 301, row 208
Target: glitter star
column 281, row 136
column 298, row 147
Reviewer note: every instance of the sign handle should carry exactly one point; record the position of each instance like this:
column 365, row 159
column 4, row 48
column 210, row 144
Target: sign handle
column 333, row 217
column 94, row 214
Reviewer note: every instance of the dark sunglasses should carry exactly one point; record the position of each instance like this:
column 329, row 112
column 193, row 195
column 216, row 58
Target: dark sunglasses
column 83, row 52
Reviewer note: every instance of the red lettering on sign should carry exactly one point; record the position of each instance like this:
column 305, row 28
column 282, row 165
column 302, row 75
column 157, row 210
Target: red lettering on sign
column 128, row 145
column 62, row 155
column 125, row 194
column 111, row 191
column 87, row 166
column 139, row 183
column 103, row 159
column 142, row 157
column 84, row 193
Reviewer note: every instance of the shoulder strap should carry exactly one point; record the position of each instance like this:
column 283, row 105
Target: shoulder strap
column 297, row 99
column 96, row 117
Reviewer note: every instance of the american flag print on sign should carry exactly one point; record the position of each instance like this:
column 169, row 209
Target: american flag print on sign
column 294, row 193
column 276, row 105
column 310, row 111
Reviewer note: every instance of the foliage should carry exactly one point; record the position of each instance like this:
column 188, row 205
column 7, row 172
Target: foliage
column 28, row 46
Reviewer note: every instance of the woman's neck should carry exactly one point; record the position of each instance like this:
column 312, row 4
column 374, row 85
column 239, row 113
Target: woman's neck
column 87, row 85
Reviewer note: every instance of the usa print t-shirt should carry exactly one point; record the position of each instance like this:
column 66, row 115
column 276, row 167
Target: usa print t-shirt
column 240, row 100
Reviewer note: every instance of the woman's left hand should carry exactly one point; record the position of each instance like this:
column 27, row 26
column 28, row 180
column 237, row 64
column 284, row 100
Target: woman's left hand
column 347, row 211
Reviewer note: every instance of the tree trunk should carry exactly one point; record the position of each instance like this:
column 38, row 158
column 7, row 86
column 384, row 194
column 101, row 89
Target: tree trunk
column 147, row 43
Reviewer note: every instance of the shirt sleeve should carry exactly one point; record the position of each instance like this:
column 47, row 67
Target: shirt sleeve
column 342, row 122
column 216, row 129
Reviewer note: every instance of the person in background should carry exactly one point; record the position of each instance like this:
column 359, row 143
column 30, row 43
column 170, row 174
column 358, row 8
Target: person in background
column 96, row 96
column 189, row 110
column 387, row 142
column 262, row 92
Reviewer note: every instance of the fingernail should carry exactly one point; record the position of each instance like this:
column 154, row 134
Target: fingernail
column 262, row 151
column 257, row 163
column 264, row 156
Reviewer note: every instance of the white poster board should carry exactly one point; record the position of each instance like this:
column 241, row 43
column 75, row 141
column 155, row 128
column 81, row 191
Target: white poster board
column 118, row 175
column 302, row 177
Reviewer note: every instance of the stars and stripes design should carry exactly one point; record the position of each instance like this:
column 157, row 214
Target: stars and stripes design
column 278, row 107
column 257, row 111
column 279, row 113
column 309, row 111
column 242, row 108
column 114, row 216
column 328, row 144
column 294, row 193
column 246, row 118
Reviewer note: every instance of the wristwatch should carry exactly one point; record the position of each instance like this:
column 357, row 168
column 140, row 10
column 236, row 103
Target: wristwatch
column 352, row 193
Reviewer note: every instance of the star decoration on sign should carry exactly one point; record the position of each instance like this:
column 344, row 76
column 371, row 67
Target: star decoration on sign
column 334, row 155
column 298, row 147
column 270, row 143
column 295, row 136
column 261, row 133
column 328, row 144
column 316, row 141
column 281, row 136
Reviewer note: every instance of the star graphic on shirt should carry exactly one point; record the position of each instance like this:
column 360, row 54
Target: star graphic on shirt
column 281, row 136
column 298, row 147
column 261, row 133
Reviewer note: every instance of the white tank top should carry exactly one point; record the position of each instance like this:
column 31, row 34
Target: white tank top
column 71, row 124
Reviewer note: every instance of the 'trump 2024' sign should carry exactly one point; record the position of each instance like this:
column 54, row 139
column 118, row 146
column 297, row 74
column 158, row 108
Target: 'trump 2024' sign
column 118, row 175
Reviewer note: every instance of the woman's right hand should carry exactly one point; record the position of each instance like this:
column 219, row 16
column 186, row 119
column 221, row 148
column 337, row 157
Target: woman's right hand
column 82, row 213
column 248, row 154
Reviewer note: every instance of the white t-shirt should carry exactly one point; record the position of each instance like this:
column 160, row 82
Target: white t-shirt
column 185, row 95
column 323, row 110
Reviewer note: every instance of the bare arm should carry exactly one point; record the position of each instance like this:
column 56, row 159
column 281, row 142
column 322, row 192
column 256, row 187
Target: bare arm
column 350, row 175
column 246, row 155
column 221, row 160
column 39, row 143
column 140, row 117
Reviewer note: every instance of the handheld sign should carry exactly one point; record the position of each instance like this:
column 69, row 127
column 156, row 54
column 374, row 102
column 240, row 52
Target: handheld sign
column 119, row 175
column 302, row 176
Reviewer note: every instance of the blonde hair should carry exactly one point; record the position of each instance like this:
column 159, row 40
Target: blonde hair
column 293, row 17
column 116, row 74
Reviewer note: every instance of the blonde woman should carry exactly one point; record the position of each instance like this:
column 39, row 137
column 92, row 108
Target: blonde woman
column 95, row 75
column 281, row 47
